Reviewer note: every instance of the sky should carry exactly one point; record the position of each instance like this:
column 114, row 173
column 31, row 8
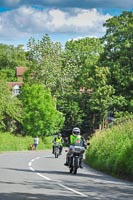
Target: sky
column 62, row 20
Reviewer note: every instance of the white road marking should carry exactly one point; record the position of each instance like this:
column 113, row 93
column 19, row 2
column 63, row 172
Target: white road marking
column 47, row 178
column 74, row 191
column 32, row 169
column 44, row 177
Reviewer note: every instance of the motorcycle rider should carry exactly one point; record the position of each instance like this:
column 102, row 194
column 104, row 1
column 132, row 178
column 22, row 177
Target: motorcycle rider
column 58, row 139
column 75, row 139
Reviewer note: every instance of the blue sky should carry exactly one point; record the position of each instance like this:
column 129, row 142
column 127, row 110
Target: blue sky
column 61, row 19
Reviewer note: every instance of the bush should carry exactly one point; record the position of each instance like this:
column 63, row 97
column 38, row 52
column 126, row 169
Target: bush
column 111, row 151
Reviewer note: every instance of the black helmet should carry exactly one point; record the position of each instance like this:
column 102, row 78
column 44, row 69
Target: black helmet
column 76, row 131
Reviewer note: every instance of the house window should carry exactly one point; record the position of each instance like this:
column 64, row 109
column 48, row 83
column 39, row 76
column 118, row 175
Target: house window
column 16, row 89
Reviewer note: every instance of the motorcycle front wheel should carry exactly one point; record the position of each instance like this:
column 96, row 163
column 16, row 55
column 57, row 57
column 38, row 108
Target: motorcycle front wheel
column 75, row 165
column 71, row 169
column 56, row 155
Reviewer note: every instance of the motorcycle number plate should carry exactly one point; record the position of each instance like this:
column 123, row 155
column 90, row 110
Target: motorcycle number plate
column 77, row 149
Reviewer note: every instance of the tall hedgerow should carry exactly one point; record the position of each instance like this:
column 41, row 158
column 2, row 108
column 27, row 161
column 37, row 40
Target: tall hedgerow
column 111, row 150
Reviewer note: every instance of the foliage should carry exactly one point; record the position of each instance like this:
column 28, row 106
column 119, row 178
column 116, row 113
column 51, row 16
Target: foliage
column 11, row 142
column 80, row 59
column 118, row 48
column 10, row 108
column 64, row 73
column 101, row 97
column 111, row 150
column 69, row 105
column 122, row 117
column 101, row 100
column 46, row 63
column 101, row 67
column 81, row 56
column 10, row 58
column 40, row 114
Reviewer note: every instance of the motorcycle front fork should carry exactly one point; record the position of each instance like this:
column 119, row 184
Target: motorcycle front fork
column 70, row 161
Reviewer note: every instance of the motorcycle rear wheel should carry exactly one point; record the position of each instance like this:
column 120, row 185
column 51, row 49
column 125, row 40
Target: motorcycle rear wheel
column 75, row 170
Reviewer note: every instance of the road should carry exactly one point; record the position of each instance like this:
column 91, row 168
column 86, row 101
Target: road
column 38, row 175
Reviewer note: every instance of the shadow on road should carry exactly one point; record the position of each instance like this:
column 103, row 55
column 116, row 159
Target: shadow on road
column 48, row 190
column 28, row 196
column 90, row 174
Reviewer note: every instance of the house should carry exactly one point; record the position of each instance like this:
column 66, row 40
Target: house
column 82, row 90
column 15, row 86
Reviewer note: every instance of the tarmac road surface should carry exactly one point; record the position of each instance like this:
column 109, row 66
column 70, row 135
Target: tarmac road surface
column 37, row 175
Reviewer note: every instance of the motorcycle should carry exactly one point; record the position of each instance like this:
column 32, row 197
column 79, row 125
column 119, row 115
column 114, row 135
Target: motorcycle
column 56, row 149
column 75, row 158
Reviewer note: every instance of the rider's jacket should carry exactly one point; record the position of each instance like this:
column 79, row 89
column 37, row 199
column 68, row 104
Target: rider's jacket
column 59, row 140
column 75, row 140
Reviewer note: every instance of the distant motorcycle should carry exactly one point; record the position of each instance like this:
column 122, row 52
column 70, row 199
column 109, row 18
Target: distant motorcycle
column 56, row 149
column 75, row 157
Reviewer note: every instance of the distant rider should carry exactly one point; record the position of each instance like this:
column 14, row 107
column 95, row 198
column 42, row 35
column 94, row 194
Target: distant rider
column 58, row 139
column 77, row 140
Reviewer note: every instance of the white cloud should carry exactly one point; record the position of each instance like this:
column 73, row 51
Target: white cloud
column 86, row 21
column 25, row 21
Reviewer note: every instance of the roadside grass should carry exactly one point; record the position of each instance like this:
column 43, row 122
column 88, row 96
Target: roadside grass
column 10, row 142
column 111, row 151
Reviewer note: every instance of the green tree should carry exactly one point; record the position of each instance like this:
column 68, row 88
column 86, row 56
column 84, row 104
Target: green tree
column 103, row 98
column 10, row 108
column 46, row 62
column 118, row 48
column 81, row 56
column 40, row 114
column 10, row 58
column 69, row 105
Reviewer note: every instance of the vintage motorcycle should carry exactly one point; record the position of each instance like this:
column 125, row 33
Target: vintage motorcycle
column 75, row 158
